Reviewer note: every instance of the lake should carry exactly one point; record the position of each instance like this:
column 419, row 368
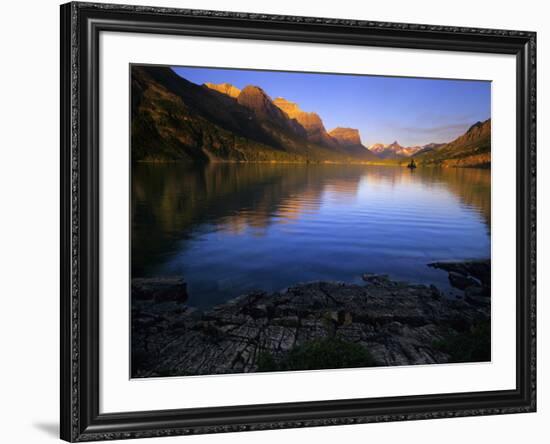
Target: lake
column 229, row 229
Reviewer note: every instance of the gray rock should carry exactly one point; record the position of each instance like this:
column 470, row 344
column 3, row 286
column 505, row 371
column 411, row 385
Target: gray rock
column 159, row 289
column 478, row 296
column 396, row 321
column 435, row 292
column 376, row 279
column 461, row 281
column 288, row 321
column 479, row 270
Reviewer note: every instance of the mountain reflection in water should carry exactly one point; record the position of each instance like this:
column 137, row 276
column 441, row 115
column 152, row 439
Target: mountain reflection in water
column 233, row 228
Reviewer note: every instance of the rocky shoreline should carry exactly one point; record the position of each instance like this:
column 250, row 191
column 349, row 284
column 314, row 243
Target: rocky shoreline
column 312, row 325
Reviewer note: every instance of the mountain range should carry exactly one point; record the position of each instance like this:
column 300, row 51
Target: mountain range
column 395, row 150
column 174, row 119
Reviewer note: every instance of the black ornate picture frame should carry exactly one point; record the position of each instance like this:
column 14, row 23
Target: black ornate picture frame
column 81, row 25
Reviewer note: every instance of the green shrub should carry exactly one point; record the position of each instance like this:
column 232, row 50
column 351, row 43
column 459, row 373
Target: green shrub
column 472, row 345
column 318, row 354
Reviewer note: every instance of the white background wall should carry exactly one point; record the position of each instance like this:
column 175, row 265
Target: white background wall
column 29, row 203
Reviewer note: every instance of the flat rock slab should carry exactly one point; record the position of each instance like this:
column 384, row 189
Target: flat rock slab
column 397, row 322
column 465, row 274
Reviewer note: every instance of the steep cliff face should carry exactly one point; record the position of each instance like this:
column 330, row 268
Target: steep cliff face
column 176, row 120
column 349, row 141
column 346, row 136
column 471, row 149
column 256, row 99
column 292, row 109
column 224, row 88
column 310, row 121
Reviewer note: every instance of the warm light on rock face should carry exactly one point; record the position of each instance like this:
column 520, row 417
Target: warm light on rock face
column 224, row 88
column 291, row 108
column 257, row 100
column 311, row 122
column 177, row 120
column 346, row 136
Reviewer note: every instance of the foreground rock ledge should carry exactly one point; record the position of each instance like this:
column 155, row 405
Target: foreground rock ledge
column 398, row 323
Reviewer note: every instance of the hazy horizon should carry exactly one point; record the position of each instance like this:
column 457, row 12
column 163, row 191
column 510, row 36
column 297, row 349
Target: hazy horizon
column 412, row 111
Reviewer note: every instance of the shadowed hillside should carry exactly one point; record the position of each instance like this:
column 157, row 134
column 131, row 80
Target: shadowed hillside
column 472, row 149
column 176, row 120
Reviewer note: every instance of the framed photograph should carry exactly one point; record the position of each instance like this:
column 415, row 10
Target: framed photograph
column 277, row 221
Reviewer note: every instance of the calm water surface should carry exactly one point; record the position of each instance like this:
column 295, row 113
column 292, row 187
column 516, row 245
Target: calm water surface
column 232, row 228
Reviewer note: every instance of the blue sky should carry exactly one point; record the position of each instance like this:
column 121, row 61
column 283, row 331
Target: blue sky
column 413, row 111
